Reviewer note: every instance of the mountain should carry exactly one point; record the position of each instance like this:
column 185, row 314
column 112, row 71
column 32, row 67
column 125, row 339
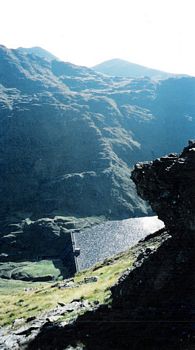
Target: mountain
column 47, row 167
column 122, row 68
column 69, row 137
column 37, row 51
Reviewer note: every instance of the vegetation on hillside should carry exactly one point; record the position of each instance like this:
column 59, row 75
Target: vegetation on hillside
column 20, row 299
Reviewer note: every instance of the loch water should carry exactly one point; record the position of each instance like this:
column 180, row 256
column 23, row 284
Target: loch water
column 112, row 237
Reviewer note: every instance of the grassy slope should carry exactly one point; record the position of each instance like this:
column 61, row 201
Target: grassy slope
column 20, row 299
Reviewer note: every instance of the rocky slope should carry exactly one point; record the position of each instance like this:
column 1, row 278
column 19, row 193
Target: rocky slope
column 152, row 304
column 69, row 137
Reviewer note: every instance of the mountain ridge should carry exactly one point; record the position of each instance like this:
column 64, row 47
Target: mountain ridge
column 37, row 51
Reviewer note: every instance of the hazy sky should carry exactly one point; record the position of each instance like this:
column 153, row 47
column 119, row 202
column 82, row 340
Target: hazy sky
column 155, row 33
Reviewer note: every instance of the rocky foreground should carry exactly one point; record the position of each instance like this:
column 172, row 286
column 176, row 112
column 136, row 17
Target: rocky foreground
column 152, row 304
column 36, row 315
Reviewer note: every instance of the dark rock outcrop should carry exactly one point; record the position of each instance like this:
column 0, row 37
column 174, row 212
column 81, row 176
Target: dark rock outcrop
column 168, row 184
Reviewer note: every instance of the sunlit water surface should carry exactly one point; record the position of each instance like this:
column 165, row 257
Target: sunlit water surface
column 112, row 237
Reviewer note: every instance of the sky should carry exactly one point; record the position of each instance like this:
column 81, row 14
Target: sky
column 155, row 33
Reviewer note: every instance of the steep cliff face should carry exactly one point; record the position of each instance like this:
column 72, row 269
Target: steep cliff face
column 152, row 305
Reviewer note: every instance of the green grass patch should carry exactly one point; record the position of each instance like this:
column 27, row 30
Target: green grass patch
column 31, row 270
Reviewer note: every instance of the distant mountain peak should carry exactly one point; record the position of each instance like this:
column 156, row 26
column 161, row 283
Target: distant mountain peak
column 123, row 68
